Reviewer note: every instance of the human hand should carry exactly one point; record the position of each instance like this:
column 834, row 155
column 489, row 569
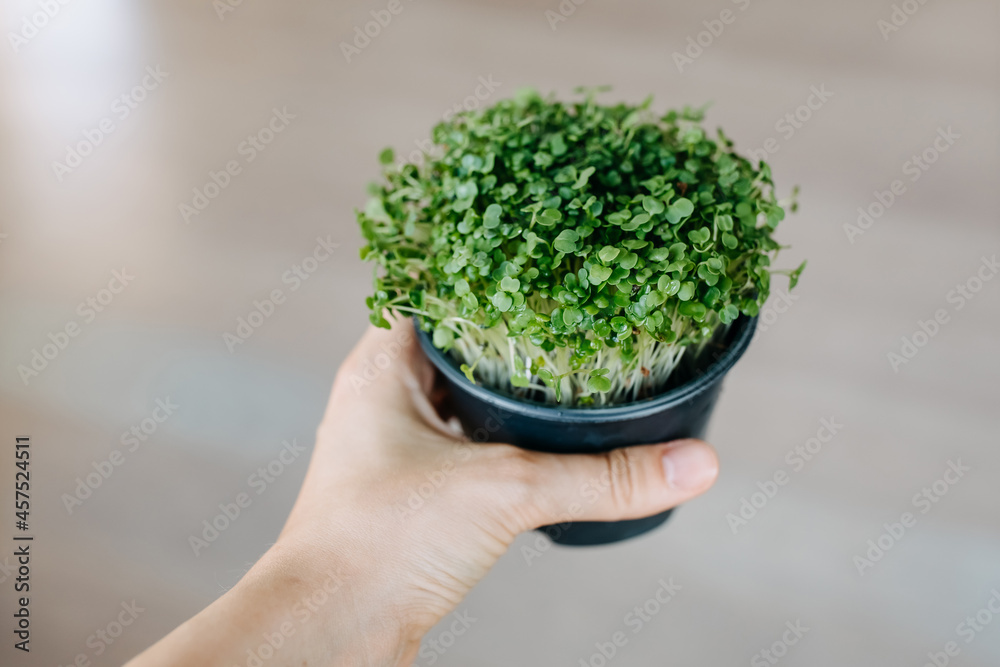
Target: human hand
column 386, row 573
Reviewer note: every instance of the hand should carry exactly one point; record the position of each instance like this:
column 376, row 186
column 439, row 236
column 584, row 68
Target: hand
column 362, row 570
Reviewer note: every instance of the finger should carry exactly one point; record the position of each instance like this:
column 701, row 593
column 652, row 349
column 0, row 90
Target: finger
column 387, row 372
column 386, row 359
column 626, row 483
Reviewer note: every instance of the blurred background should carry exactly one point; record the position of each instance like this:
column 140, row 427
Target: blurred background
column 166, row 166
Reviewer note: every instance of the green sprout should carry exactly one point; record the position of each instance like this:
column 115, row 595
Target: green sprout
column 573, row 253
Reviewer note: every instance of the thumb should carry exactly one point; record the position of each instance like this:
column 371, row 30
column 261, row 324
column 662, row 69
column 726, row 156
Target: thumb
column 627, row 483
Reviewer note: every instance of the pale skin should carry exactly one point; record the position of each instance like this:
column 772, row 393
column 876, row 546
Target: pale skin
column 357, row 576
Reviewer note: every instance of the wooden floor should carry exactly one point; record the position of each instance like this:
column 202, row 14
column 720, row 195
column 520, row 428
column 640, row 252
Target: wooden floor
column 916, row 102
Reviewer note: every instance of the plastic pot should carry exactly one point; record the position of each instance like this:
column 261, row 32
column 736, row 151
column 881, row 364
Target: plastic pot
column 680, row 412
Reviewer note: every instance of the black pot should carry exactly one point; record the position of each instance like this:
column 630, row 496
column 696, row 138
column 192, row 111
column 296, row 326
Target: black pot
column 681, row 412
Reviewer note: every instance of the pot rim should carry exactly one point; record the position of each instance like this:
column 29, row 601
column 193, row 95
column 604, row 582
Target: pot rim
column 647, row 406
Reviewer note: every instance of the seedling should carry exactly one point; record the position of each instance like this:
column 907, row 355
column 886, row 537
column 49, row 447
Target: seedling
column 573, row 253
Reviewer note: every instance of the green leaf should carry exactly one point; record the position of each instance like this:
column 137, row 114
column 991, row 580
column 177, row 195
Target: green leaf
column 619, row 324
column 793, row 277
column 686, row 291
column 636, row 222
column 386, row 156
column 503, row 301
column 584, row 176
column 658, row 254
column 668, row 286
column 572, row 316
column 467, row 370
column 491, row 218
column 567, row 241
column 550, row 217
column 443, row 337
column 598, row 384
column 693, row 309
column 599, row 274
column 679, row 209
column 652, row 205
column 608, row 253
column 699, row 236
column 628, row 260
column 508, row 284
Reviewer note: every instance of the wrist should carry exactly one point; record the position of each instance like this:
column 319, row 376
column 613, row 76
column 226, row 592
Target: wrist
column 331, row 612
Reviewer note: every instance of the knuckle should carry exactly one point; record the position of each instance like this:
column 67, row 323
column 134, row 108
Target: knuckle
column 623, row 484
column 516, row 470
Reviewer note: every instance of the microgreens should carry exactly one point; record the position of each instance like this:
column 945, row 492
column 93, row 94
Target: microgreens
column 572, row 252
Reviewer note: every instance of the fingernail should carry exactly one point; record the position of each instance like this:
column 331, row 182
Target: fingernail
column 690, row 466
